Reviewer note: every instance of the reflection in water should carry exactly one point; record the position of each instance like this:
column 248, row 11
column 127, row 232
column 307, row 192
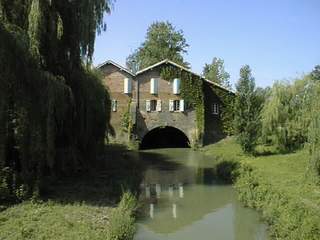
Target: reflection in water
column 182, row 201
column 180, row 190
column 174, row 210
column 151, row 210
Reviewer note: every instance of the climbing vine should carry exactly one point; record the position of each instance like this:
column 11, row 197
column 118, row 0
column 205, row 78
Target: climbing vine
column 191, row 92
column 227, row 112
column 126, row 120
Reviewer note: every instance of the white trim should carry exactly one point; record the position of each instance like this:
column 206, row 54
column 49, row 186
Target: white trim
column 159, row 105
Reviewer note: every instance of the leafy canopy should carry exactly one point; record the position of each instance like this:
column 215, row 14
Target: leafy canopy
column 162, row 41
column 247, row 110
column 216, row 73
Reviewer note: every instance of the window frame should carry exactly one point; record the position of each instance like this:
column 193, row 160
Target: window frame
column 114, row 105
column 176, row 105
column 153, row 105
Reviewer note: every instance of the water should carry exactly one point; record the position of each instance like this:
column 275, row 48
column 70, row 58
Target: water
column 182, row 199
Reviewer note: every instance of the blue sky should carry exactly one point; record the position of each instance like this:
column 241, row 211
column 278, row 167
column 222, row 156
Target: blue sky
column 279, row 39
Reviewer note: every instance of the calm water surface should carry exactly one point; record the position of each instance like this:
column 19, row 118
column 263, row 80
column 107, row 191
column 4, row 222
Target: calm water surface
column 182, row 200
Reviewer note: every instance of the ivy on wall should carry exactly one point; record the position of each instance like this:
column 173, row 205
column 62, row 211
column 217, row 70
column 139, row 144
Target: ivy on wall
column 126, row 120
column 227, row 111
column 192, row 93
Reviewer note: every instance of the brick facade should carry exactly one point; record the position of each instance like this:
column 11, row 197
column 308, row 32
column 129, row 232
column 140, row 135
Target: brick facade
column 145, row 121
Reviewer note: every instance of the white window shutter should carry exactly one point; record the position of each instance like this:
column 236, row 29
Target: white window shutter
column 148, row 106
column 114, row 105
column 181, row 105
column 176, row 86
column 154, row 86
column 127, row 86
column 159, row 105
column 171, row 109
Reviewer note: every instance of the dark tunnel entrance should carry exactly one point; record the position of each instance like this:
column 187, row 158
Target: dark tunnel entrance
column 165, row 137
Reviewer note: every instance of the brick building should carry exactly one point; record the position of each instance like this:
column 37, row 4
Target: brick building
column 158, row 114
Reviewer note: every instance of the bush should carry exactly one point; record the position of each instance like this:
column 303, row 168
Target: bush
column 289, row 216
column 121, row 223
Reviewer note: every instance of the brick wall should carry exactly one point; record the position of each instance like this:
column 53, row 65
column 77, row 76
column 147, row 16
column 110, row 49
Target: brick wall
column 114, row 82
column 185, row 121
column 146, row 121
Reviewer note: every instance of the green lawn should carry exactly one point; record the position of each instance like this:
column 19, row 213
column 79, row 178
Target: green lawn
column 286, row 171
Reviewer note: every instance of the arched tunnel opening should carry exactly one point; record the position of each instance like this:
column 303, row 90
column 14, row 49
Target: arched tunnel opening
column 165, row 137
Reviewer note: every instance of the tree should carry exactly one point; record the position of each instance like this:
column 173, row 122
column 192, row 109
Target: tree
column 53, row 108
column 315, row 74
column 314, row 129
column 162, row 41
column 286, row 115
column 216, row 73
column 247, row 110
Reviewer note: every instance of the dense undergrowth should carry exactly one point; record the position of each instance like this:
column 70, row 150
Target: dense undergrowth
column 276, row 184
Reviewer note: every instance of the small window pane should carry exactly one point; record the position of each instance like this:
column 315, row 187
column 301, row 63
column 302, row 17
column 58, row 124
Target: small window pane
column 215, row 109
column 153, row 105
column 176, row 105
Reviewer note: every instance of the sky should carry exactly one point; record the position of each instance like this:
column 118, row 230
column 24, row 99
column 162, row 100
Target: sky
column 279, row 39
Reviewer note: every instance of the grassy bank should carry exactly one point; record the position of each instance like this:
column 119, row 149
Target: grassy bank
column 275, row 184
column 52, row 220
column 89, row 205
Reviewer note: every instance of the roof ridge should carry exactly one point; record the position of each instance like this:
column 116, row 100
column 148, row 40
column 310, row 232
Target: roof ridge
column 117, row 65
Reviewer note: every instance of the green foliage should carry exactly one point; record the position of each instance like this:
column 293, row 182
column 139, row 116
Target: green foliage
column 289, row 216
column 126, row 121
column 286, row 114
column 53, row 110
column 162, row 41
column 227, row 109
column 121, row 224
column 247, row 110
column 215, row 72
column 314, row 131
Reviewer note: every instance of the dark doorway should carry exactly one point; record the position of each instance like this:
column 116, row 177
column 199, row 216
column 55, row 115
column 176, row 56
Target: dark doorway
column 165, row 137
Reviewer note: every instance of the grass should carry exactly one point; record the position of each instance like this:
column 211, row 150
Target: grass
column 92, row 205
column 275, row 183
column 286, row 171
column 52, row 220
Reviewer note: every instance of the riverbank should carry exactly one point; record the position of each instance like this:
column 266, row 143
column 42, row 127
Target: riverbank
column 91, row 205
column 276, row 185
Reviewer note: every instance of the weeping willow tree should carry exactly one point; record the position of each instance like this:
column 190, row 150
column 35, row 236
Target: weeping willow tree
column 53, row 107
column 314, row 129
column 286, row 114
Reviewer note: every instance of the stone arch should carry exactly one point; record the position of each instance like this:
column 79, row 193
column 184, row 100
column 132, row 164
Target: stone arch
column 164, row 137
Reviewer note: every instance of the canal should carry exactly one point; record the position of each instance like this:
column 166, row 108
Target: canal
column 181, row 198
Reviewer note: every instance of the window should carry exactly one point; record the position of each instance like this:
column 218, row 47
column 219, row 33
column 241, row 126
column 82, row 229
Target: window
column 127, row 87
column 215, row 108
column 176, row 105
column 154, row 86
column 153, row 105
column 114, row 105
column 176, row 86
